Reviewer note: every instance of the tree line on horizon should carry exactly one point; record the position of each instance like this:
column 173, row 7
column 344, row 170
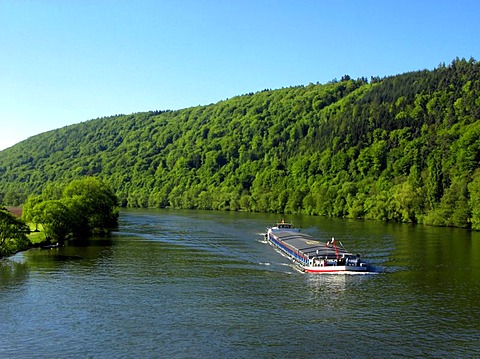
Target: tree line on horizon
column 403, row 148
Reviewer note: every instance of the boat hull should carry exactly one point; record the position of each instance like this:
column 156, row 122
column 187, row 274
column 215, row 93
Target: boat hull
column 335, row 269
column 312, row 256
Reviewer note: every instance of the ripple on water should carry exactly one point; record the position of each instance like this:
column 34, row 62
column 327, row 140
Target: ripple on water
column 171, row 284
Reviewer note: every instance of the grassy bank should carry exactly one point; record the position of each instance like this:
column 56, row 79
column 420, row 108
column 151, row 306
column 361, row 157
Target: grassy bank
column 37, row 235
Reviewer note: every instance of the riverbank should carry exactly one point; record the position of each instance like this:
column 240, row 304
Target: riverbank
column 36, row 236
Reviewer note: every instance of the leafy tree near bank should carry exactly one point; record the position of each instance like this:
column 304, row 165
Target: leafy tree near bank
column 13, row 234
column 78, row 209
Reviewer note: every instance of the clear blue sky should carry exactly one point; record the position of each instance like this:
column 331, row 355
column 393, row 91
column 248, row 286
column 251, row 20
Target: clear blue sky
column 68, row 61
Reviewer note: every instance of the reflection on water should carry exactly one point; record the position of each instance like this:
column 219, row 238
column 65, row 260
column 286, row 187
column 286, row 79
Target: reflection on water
column 13, row 272
column 326, row 287
column 205, row 284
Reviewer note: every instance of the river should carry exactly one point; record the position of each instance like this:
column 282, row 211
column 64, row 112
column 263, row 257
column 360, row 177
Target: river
column 202, row 284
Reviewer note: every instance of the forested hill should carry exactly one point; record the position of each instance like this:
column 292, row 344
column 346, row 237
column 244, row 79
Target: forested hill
column 402, row 148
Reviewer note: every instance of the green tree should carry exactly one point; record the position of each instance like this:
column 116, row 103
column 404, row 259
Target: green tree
column 13, row 233
column 31, row 213
column 474, row 191
column 56, row 220
column 93, row 201
column 434, row 179
column 87, row 206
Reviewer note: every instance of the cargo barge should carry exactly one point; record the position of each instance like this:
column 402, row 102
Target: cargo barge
column 311, row 255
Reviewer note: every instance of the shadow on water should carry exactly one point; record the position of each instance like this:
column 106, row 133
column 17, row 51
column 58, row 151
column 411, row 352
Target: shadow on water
column 85, row 252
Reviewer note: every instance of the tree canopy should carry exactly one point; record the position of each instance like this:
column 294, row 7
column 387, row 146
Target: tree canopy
column 13, row 233
column 402, row 148
column 78, row 209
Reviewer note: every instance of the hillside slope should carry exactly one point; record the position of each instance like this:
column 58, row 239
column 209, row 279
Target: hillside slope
column 403, row 148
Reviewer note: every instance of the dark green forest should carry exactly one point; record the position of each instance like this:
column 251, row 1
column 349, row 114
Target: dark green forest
column 402, row 148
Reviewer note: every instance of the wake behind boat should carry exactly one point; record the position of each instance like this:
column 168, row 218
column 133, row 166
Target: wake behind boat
column 311, row 255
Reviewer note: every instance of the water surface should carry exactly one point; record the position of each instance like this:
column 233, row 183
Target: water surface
column 193, row 284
